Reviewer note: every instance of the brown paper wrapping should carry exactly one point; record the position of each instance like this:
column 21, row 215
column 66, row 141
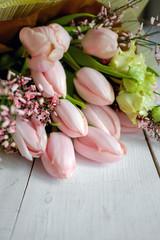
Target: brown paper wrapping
column 9, row 29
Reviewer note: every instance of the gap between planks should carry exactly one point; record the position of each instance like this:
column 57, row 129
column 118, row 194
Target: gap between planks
column 22, row 199
column 152, row 153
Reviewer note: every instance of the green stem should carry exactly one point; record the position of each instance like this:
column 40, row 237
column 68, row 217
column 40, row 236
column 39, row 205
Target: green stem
column 74, row 41
column 20, row 51
column 76, row 102
column 149, row 34
column 147, row 41
column 54, row 124
column 24, row 67
column 69, row 60
column 156, row 93
column 144, row 45
column 129, row 5
column 116, row 80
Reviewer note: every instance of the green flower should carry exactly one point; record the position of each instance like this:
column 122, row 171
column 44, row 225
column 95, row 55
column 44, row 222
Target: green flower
column 134, row 104
column 123, row 60
column 141, row 82
column 136, row 93
column 156, row 113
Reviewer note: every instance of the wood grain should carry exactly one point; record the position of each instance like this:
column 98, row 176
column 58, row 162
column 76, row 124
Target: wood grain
column 119, row 201
column 116, row 201
column 154, row 146
column 14, row 172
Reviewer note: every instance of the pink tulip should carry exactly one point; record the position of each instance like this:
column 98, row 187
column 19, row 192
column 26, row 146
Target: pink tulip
column 53, row 82
column 104, row 118
column 30, row 138
column 126, row 125
column 72, row 121
column 59, row 157
column 93, row 87
column 100, row 42
column 99, row 146
column 45, row 44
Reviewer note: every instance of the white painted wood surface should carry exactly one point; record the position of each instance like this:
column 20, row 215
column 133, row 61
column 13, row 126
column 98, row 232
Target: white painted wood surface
column 120, row 201
column 14, row 174
column 154, row 147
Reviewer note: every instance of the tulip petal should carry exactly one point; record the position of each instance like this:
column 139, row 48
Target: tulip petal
column 48, row 165
column 59, row 159
column 114, row 125
column 56, row 54
column 28, row 133
column 89, row 96
column 95, row 118
column 103, row 117
column 102, row 139
column 126, row 125
column 96, row 85
column 104, row 45
column 22, row 146
column 57, row 78
column 62, row 36
column 99, row 146
column 40, row 63
column 72, row 121
column 42, row 83
column 93, row 154
column 35, row 42
column 41, row 133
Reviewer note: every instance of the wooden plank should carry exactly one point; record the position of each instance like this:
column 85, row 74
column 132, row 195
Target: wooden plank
column 116, row 201
column 14, row 173
column 154, row 146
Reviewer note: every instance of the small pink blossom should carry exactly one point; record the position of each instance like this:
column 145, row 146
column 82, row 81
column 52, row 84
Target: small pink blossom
column 11, row 129
column 5, row 108
column 5, row 144
column 2, row 131
column 5, row 123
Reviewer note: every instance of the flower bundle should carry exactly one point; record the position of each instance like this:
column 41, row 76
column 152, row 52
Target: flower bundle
column 72, row 85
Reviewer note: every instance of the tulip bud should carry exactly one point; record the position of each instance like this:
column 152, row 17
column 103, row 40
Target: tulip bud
column 72, row 121
column 99, row 146
column 45, row 44
column 126, row 125
column 59, row 157
column 30, row 138
column 104, row 118
column 93, row 87
column 100, row 42
column 53, row 81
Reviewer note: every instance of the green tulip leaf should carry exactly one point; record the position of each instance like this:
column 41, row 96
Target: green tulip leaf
column 24, row 68
column 75, row 102
column 70, row 85
column 85, row 60
column 67, row 19
column 20, row 52
column 6, row 61
column 70, row 61
column 152, row 71
column 72, row 30
column 54, row 124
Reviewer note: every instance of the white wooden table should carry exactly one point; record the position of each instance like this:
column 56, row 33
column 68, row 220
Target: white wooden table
column 120, row 201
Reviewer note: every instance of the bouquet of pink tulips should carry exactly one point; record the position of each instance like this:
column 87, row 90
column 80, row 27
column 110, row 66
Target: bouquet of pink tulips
column 73, row 85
